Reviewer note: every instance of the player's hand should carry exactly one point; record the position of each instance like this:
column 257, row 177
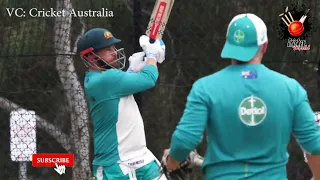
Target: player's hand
column 173, row 169
column 193, row 160
column 154, row 50
column 136, row 62
column 170, row 163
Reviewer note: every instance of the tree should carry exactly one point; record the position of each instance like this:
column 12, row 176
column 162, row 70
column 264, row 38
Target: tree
column 79, row 135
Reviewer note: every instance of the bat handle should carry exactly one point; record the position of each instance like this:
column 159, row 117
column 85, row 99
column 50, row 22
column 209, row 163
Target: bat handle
column 151, row 40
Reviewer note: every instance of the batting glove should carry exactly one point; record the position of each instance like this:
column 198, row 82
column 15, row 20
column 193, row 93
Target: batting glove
column 136, row 62
column 154, row 50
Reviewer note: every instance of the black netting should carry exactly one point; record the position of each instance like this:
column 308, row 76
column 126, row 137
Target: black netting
column 39, row 71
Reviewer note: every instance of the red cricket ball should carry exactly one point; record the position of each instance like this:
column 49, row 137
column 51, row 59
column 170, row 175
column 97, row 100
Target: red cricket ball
column 296, row 28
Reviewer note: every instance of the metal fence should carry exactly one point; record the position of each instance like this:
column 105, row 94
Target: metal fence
column 40, row 72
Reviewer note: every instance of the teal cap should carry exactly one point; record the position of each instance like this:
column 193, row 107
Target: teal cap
column 246, row 33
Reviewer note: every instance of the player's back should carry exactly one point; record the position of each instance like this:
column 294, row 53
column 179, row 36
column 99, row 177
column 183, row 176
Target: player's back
column 250, row 121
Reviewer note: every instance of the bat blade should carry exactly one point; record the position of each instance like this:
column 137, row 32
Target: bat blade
column 159, row 19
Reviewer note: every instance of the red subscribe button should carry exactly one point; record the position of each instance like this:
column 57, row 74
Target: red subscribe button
column 50, row 160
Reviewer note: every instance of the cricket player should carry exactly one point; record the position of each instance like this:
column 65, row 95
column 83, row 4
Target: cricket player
column 247, row 111
column 120, row 151
column 313, row 161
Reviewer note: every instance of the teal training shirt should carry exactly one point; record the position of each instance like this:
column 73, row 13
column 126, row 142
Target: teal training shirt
column 118, row 129
column 248, row 113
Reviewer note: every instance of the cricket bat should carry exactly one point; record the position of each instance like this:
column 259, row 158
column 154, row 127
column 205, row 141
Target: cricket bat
column 159, row 19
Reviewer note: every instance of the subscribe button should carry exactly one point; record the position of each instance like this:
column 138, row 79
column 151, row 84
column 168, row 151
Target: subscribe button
column 50, row 160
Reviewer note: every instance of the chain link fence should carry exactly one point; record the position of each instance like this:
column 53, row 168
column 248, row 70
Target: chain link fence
column 40, row 72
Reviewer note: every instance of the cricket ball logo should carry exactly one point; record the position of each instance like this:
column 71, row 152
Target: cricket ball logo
column 296, row 29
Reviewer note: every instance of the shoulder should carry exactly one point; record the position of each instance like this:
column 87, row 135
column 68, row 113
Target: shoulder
column 290, row 82
column 201, row 86
column 279, row 75
column 113, row 72
column 107, row 73
column 110, row 76
column 296, row 90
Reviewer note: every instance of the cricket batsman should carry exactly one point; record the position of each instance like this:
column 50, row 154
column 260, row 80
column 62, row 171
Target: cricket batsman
column 120, row 151
column 247, row 111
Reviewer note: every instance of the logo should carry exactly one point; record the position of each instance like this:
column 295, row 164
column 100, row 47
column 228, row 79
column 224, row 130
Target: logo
column 249, row 74
column 295, row 27
column 60, row 169
column 51, row 160
column 252, row 111
column 238, row 36
column 107, row 35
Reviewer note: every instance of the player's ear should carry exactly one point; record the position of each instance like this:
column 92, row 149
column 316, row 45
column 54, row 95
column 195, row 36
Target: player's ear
column 264, row 47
